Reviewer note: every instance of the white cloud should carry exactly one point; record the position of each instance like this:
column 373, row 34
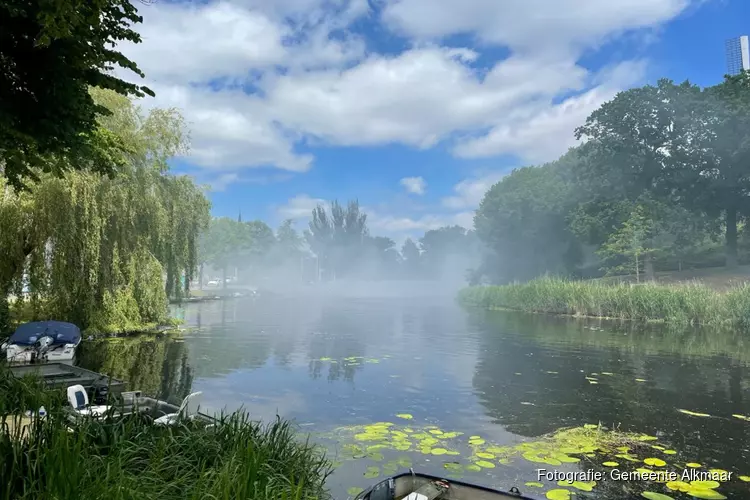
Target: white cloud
column 469, row 192
column 559, row 26
column 414, row 185
column 299, row 207
column 255, row 78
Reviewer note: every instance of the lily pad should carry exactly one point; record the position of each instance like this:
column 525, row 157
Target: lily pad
column 693, row 464
column 744, row 478
column 580, row 485
column 534, row 484
column 485, row 464
column 708, row 485
column 372, row 472
column 354, row 491
column 406, row 416
column 656, row 462
column 705, row 494
column 693, row 413
column 640, row 380
column 558, row 494
column 670, row 452
column 488, row 456
column 473, row 468
column 453, row 466
column 678, row 485
column 439, row 451
column 610, row 464
column 476, row 442
column 652, row 495
column 742, row 417
column 590, row 426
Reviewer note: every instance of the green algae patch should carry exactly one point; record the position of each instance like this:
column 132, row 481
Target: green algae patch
column 558, row 494
column 354, row 491
column 652, row 495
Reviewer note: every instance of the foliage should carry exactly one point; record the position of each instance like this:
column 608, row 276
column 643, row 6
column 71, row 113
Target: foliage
column 337, row 237
column 693, row 304
column 102, row 252
column 683, row 144
column 132, row 458
column 522, row 222
column 51, row 53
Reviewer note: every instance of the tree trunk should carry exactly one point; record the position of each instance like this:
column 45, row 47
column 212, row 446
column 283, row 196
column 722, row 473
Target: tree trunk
column 731, row 238
column 200, row 277
column 648, row 267
column 5, row 326
column 637, row 269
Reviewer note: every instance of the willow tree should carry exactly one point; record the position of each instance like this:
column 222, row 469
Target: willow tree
column 106, row 252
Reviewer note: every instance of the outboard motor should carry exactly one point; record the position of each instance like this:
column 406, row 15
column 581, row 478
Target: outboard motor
column 99, row 393
column 41, row 347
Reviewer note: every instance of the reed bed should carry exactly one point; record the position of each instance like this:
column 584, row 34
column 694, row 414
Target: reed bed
column 688, row 303
column 132, row 459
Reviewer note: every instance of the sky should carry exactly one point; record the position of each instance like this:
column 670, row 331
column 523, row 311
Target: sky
column 412, row 107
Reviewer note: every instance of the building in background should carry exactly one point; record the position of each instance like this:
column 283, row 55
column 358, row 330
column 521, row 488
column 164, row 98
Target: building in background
column 738, row 55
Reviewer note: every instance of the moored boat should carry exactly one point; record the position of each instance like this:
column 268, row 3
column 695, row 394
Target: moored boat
column 43, row 341
column 413, row 486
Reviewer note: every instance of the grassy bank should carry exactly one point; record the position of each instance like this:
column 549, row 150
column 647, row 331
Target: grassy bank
column 132, row 458
column 689, row 303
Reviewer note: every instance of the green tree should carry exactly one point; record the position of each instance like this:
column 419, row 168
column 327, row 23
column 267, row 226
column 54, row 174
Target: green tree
column 522, row 223
column 679, row 144
column 337, row 238
column 411, row 257
column 51, row 54
column 102, row 252
column 225, row 245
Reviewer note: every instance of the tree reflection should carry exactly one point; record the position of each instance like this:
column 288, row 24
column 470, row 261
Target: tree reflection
column 157, row 366
column 544, row 361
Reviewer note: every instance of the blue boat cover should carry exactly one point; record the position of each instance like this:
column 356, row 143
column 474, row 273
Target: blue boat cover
column 61, row 333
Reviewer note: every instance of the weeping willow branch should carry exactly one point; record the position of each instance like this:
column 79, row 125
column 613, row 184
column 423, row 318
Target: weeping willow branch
column 106, row 253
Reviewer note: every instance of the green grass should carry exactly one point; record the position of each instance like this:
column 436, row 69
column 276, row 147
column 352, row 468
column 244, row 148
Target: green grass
column 133, row 459
column 687, row 303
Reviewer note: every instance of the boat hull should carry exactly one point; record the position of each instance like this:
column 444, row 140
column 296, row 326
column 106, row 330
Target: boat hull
column 401, row 486
column 27, row 354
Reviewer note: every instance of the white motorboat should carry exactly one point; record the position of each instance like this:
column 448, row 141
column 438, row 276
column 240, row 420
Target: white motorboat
column 42, row 341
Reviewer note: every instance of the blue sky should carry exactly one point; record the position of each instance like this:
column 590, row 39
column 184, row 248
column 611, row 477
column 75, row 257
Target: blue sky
column 415, row 107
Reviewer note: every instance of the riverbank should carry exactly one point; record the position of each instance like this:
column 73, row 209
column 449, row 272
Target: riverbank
column 686, row 303
column 131, row 458
column 22, row 311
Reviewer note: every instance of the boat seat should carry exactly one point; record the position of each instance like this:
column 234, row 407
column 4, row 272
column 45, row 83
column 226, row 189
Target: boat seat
column 188, row 409
column 79, row 400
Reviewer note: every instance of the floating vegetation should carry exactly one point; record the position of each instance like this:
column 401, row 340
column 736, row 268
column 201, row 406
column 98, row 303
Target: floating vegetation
column 354, row 491
column 656, row 462
column 405, row 416
column 742, row 417
column 693, row 413
column 534, row 484
column 744, row 478
column 475, row 454
column 558, row 494
column 652, row 495
column 641, row 380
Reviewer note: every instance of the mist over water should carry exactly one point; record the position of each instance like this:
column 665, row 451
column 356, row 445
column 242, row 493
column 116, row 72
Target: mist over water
column 357, row 355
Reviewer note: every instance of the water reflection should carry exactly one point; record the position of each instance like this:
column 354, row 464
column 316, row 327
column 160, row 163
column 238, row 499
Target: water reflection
column 505, row 376
column 158, row 367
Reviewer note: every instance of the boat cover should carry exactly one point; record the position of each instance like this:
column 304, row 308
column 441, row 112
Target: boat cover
column 61, row 333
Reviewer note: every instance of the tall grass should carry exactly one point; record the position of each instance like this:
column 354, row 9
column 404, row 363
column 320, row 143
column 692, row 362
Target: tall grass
column 691, row 303
column 132, row 459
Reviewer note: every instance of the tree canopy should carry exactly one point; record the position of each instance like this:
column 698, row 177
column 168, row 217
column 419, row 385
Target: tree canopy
column 103, row 252
column 51, row 54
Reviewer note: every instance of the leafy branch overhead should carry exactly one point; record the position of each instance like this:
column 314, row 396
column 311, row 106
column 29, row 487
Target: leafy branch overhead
column 51, row 53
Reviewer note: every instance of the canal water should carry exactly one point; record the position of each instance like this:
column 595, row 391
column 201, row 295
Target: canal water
column 351, row 370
